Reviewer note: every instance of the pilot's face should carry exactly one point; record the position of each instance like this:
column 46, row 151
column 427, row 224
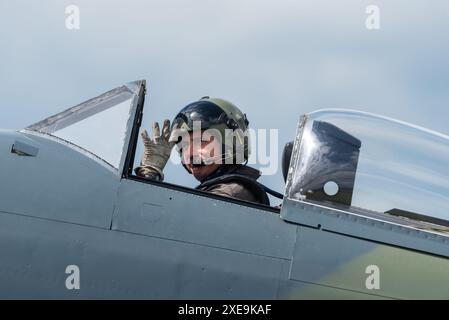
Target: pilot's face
column 208, row 152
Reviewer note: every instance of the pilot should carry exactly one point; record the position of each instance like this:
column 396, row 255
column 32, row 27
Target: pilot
column 211, row 138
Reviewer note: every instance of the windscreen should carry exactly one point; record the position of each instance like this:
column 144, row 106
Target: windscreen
column 99, row 125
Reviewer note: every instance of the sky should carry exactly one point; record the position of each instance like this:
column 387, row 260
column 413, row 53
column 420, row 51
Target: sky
column 276, row 60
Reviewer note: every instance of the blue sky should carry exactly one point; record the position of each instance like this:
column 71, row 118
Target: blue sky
column 274, row 59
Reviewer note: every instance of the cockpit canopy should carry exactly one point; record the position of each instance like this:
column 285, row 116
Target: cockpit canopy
column 348, row 159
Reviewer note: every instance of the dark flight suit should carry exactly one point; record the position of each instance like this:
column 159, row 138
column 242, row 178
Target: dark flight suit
column 234, row 181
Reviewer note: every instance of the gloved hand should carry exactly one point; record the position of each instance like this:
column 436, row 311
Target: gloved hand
column 157, row 151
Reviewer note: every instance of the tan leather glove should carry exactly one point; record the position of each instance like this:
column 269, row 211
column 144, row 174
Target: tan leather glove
column 157, row 151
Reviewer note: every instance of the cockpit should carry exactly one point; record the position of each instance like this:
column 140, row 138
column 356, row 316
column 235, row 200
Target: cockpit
column 347, row 160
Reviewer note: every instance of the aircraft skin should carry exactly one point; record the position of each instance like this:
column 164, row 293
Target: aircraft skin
column 138, row 239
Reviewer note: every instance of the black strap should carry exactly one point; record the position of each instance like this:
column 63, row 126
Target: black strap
column 255, row 187
column 272, row 192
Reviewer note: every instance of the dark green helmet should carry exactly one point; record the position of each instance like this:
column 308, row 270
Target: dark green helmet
column 221, row 115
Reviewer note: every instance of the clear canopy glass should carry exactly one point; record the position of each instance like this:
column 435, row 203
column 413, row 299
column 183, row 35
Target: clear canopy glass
column 99, row 125
column 354, row 160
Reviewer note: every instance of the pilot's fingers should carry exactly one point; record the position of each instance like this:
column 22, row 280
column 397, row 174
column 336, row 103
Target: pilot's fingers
column 174, row 135
column 145, row 136
column 166, row 129
column 156, row 131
